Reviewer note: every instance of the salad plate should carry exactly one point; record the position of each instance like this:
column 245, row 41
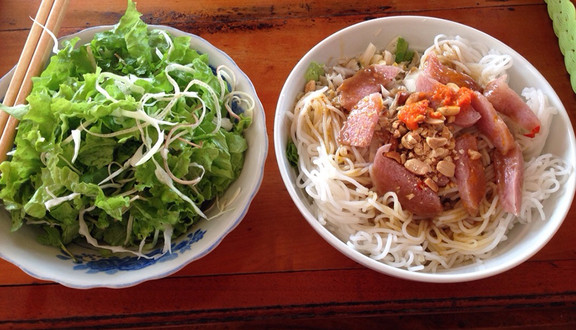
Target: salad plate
column 88, row 268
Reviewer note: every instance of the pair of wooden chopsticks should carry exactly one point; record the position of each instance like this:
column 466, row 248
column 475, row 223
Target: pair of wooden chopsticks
column 34, row 55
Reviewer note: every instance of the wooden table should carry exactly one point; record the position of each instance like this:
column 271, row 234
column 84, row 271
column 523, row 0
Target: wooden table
column 273, row 269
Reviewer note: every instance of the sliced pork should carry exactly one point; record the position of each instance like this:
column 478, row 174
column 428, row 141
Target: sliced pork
column 425, row 83
column 492, row 125
column 506, row 101
column 469, row 173
column 414, row 195
column 444, row 74
column 359, row 127
column 467, row 117
column 509, row 169
column 365, row 82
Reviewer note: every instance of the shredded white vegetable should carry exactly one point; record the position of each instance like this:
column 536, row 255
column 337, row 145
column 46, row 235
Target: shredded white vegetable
column 165, row 134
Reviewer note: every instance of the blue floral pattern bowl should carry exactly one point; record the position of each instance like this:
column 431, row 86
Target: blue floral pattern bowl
column 88, row 268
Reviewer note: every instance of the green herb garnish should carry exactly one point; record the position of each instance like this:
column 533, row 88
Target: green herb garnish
column 314, row 71
column 292, row 154
column 403, row 53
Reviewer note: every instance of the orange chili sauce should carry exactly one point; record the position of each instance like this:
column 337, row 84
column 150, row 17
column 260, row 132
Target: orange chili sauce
column 448, row 96
column 415, row 113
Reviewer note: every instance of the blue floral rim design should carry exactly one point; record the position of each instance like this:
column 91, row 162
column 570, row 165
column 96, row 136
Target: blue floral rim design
column 94, row 263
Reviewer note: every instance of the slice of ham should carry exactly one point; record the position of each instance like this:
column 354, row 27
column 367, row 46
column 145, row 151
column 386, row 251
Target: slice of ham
column 359, row 127
column 444, row 74
column 469, row 173
column 506, row 101
column 414, row 195
column 492, row 125
column 509, row 169
column 467, row 116
column 425, row 83
column 365, row 82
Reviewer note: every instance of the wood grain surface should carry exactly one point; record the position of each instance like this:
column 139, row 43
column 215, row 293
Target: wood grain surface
column 273, row 270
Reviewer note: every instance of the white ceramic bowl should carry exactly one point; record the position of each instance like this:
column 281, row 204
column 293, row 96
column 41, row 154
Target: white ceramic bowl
column 47, row 263
column 524, row 240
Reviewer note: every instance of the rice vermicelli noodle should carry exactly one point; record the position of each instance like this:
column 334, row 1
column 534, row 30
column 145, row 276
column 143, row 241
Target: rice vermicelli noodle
column 339, row 180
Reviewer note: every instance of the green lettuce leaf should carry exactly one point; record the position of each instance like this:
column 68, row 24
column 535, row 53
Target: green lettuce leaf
column 95, row 113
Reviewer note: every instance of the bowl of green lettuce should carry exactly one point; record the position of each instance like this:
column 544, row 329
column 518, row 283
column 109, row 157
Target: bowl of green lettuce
column 139, row 149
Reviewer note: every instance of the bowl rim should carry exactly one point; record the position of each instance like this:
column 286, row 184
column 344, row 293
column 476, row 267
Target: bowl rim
column 440, row 277
column 260, row 153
